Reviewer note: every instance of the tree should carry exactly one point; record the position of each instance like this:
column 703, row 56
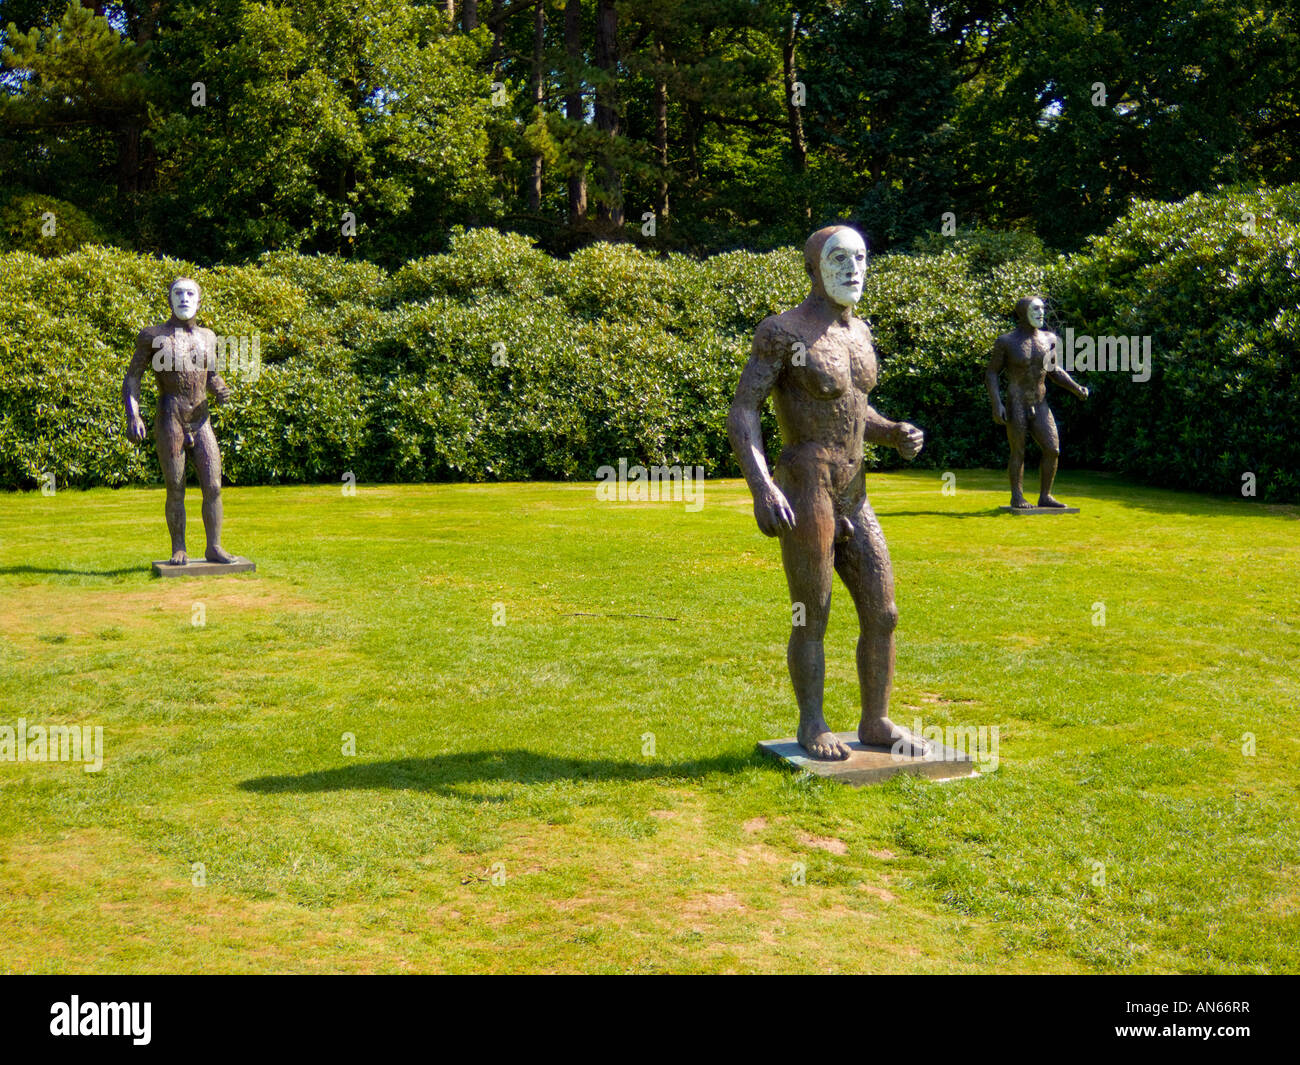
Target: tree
column 314, row 111
column 79, row 76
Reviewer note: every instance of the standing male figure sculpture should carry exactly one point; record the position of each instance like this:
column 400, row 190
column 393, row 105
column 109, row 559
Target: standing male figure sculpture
column 818, row 362
column 1030, row 354
column 182, row 354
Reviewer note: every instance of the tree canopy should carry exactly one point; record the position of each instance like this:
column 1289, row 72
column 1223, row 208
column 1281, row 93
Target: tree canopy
column 223, row 129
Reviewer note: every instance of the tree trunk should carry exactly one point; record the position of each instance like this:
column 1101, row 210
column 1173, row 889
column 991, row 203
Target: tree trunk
column 607, row 108
column 539, row 96
column 573, row 109
column 694, row 122
column 498, row 49
column 469, row 15
column 661, row 129
column 794, row 116
column 128, row 160
column 133, row 171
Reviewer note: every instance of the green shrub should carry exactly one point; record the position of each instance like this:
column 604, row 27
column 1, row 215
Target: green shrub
column 1214, row 281
column 986, row 249
column 496, row 361
column 44, row 225
column 935, row 318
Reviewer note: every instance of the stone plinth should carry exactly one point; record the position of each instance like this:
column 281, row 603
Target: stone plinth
column 870, row 765
column 201, row 567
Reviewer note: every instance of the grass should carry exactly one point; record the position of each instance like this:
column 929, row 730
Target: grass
column 500, row 812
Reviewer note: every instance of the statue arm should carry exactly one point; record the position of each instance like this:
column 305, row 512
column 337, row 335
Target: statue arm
column 906, row 438
column 1067, row 382
column 140, row 361
column 215, row 384
column 880, row 430
column 744, row 429
column 744, row 426
column 218, row 387
column 991, row 371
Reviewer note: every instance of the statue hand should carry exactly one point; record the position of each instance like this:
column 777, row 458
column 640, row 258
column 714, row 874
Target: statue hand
column 1083, row 392
column 222, row 393
column 911, row 440
column 772, row 511
column 135, row 428
column 1000, row 414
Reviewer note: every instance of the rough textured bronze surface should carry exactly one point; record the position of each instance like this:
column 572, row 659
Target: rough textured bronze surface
column 871, row 765
column 1030, row 355
column 818, row 364
column 183, row 357
column 202, row 568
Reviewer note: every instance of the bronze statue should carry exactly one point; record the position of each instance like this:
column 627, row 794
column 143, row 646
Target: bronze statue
column 182, row 354
column 818, row 362
column 1030, row 354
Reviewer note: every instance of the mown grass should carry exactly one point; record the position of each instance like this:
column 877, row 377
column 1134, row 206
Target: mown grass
column 1123, row 830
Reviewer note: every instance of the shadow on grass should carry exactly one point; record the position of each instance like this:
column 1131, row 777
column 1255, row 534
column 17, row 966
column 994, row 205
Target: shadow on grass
column 1082, row 487
column 938, row 513
column 441, row 774
column 1104, row 486
column 11, row 570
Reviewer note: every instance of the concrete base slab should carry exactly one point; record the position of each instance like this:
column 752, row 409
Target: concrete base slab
column 201, row 567
column 870, row 765
column 1040, row 510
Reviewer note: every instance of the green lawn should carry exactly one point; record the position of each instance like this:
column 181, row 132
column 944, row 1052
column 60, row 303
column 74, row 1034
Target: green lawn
column 499, row 813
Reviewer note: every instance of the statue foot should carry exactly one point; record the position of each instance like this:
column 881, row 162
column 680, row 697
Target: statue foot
column 1048, row 501
column 218, row 554
column 1021, row 503
column 179, row 558
column 881, row 732
column 821, row 743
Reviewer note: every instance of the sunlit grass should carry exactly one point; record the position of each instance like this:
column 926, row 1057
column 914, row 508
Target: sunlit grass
column 1124, row 828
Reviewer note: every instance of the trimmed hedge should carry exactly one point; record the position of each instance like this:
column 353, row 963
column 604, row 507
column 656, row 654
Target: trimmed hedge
column 1214, row 281
column 496, row 361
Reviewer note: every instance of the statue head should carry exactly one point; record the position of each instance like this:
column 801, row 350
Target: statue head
column 836, row 261
column 185, row 295
column 1030, row 312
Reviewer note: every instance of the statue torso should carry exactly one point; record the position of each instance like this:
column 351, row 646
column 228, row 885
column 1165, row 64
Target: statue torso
column 182, row 389
column 1026, row 359
column 821, row 395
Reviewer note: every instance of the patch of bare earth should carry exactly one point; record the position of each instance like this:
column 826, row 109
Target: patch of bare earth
column 43, row 609
column 830, row 844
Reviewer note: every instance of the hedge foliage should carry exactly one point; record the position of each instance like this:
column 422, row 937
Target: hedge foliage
column 497, row 361
column 1214, row 281
column 44, row 225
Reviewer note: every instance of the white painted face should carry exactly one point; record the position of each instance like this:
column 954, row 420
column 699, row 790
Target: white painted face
column 1035, row 313
column 844, row 266
column 184, row 298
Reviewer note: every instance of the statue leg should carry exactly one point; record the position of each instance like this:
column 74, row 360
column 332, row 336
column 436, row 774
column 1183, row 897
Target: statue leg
column 170, row 444
column 862, row 561
column 808, row 553
column 1016, row 437
column 207, row 461
column 1047, row 438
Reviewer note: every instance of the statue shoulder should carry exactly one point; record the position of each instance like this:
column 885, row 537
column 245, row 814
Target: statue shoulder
column 775, row 335
column 150, row 333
